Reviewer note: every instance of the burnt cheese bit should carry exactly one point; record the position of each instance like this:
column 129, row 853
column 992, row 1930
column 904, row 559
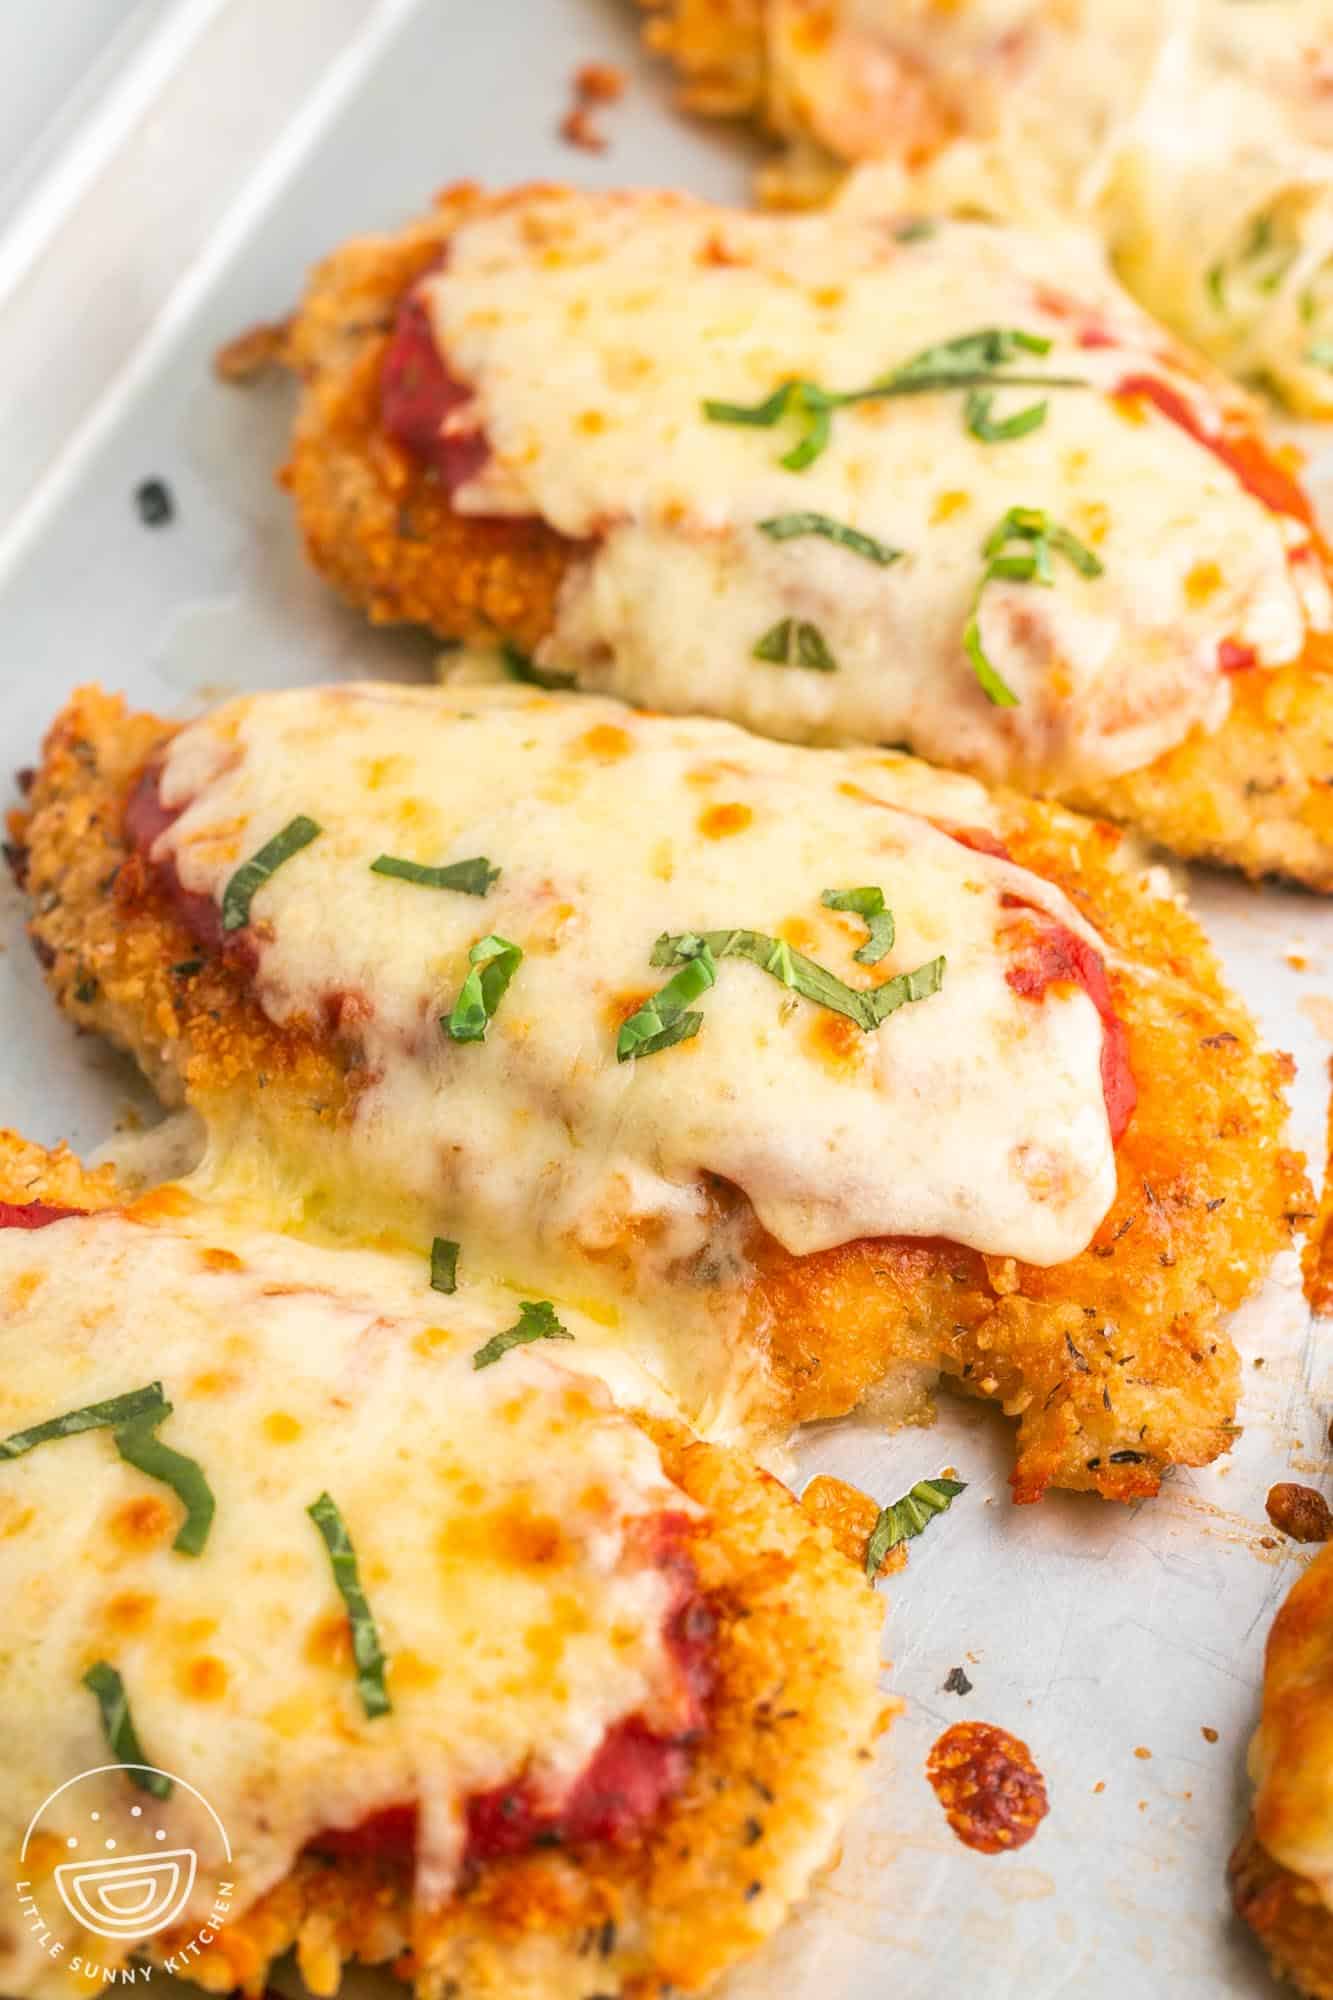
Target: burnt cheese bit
column 153, row 499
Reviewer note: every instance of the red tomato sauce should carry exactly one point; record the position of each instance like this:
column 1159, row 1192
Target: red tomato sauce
column 145, row 818
column 634, row 1773
column 33, row 1214
column 993, row 1795
column 1254, row 466
column 418, row 395
column 1056, row 956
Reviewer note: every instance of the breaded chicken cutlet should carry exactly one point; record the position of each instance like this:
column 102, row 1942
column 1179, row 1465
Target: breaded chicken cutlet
column 598, row 1701
column 886, row 1131
column 839, row 479
column 1196, row 141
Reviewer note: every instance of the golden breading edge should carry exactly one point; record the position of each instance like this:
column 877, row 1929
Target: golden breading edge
column 1115, row 1364
column 792, row 1724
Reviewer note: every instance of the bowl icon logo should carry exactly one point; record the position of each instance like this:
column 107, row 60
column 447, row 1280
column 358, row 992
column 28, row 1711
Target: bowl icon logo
column 136, row 1851
column 129, row 1895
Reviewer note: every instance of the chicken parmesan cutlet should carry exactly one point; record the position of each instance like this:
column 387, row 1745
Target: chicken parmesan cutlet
column 840, row 480
column 1282, row 1869
column 1195, row 139
column 838, row 1071
column 488, row 1670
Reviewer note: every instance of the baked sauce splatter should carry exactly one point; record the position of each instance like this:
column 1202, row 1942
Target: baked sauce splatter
column 993, row 1795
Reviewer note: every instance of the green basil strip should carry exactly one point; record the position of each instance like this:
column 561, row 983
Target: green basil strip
column 139, row 1445
column 662, row 1021
column 443, row 1265
column 494, row 961
column 811, row 648
column 472, row 878
column 909, row 1517
column 1320, row 354
column 972, row 360
column 915, row 231
column 1042, row 538
column 786, row 527
column 990, row 430
column 254, row 873
column 869, row 905
column 536, row 1321
column 366, row 1649
column 149, row 1402
column 868, row 1008
column 118, row 1727
column 520, row 668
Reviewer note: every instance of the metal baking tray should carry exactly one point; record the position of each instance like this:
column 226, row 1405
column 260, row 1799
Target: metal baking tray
column 1108, row 1638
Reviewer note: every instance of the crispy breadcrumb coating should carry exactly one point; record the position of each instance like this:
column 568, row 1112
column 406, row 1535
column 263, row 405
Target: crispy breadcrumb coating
column 792, row 1722
column 1286, row 1914
column 1116, row 1364
column 1317, row 1256
column 1255, row 794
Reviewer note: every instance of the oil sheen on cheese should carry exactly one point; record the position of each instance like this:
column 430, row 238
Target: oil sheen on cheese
column 975, row 1115
column 592, row 330
column 493, row 1513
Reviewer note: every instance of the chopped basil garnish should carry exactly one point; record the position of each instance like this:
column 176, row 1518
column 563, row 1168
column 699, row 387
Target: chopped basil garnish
column 915, row 231
column 140, row 1446
column 118, row 1727
column 785, row 527
column 134, row 1419
column 253, row 874
column 536, row 1321
column 868, row 904
column 366, row 1649
column 1320, row 354
column 869, row 1008
column 811, row 649
column 494, row 961
column 1042, row 538
column 472, row 878
column 909, row 1517
column 520, row 668
column 998, row 430
column 972, row 360
column 149, row 1402
column 662, row 1021
column 443, row 1265
column 187, row 967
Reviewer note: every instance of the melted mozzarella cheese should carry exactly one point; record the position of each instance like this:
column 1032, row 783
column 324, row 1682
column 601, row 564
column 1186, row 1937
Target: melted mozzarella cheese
column 592, row 330
column 493, row 1514
column 1179, row 129
column 973, row 1114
